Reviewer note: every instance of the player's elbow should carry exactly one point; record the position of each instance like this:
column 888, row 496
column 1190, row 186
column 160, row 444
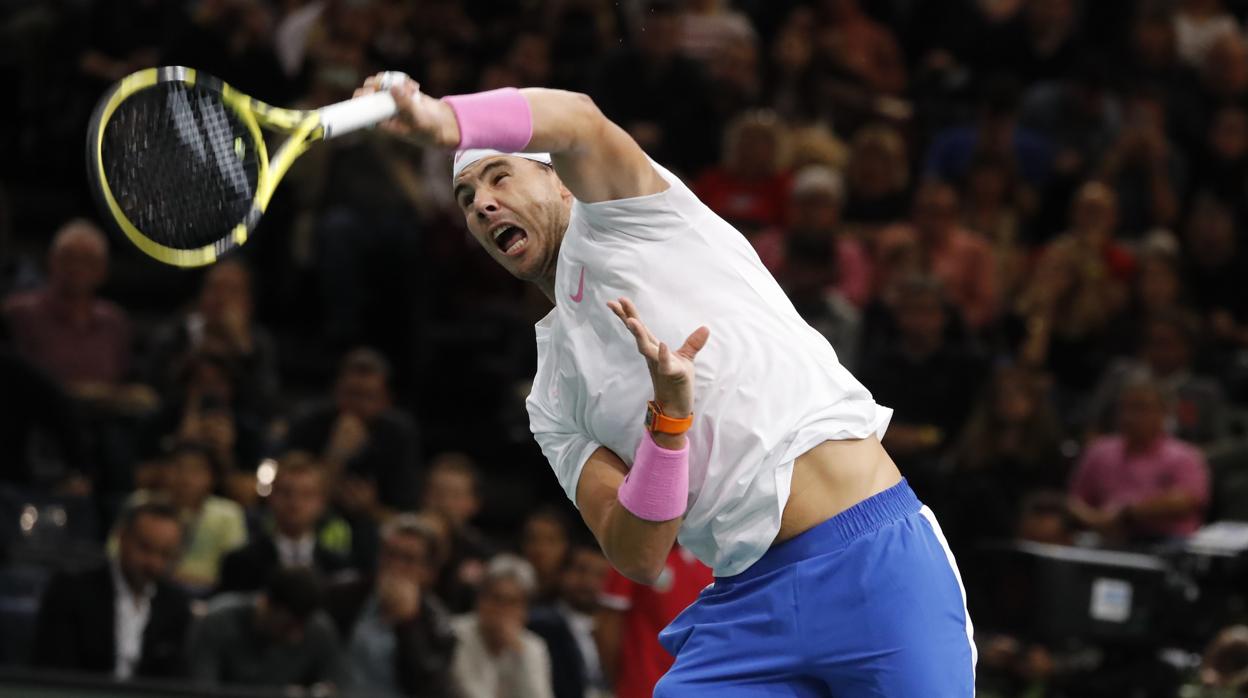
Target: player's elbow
column 641, row 571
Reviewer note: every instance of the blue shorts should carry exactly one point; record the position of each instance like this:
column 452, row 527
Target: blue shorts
column 867, row 603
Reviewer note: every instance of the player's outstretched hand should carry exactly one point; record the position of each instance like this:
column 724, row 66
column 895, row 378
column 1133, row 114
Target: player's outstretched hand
column 422, row 118
column 671, row 372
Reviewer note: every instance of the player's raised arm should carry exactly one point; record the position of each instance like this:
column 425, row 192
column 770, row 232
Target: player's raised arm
column 596, row 159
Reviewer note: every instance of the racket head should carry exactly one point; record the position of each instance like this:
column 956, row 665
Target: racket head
column 177, row 160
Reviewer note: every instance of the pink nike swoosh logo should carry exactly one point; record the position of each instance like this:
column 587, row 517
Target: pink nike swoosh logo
column 580, row 289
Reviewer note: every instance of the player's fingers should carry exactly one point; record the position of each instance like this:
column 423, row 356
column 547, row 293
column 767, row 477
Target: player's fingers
column 694, row 343
column 618, row 310
column 648, row 349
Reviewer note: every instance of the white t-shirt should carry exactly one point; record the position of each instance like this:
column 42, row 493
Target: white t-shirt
column 768, row 388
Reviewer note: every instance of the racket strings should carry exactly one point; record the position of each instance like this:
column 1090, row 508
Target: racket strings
column 180, row 164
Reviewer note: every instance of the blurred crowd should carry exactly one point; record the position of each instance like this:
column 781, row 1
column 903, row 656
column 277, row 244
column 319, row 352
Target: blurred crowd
column 1021, row 223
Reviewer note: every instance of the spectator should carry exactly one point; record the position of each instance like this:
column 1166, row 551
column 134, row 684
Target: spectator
column 66, row 329
column 297, row 503
column 1224, row 664
column 123, row 618
column 878, row 176
column 1157, row 289
column 1216, row 266
column 961, row 260
column 1078, row 285
column 370, row 447
column 221, row 324
column 1198, row 24
column 1040, row 42
column 279, row 637
column 860, row 47
column 1165, row 354
column 631, row 615
column 1011, row 446
column 996, row 132
column 496, row 656
column 206, row 408
column 35, row 411
column 1222, row 164
column 1139, row 483
column 215, row 526
column 568, row 625
column 1080, row 113
column 814, row 212
column 544, row 543
column 928, row 380
column 1144, row 167
column 452, row 491
column 750, row 187
column 398, row 636
column 995, row 205
column 1224, row 73
column 708, row 28
column 661, row 97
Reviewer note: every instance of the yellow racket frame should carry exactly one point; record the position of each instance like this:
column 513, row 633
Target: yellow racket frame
column 303, row 127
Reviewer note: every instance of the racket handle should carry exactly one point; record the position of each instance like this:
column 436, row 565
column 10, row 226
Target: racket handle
column 354, row 114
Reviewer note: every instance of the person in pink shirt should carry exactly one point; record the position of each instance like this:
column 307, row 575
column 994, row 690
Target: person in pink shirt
column 960, row 259
column 1140, row 483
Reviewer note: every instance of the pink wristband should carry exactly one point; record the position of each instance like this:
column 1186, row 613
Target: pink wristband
column 498, row 119
column 657, row 486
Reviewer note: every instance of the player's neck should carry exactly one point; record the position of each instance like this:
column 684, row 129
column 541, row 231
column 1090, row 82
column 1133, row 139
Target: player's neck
column 547, row 285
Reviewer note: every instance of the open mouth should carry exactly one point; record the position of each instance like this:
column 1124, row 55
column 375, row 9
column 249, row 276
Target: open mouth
column 511, row 239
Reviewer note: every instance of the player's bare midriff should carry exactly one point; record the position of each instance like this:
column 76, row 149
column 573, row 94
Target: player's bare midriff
column 832, row 477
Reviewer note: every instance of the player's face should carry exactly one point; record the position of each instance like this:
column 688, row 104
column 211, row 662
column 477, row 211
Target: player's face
column 517, row 209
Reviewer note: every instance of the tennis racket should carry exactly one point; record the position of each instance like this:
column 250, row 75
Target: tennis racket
column 177, row 158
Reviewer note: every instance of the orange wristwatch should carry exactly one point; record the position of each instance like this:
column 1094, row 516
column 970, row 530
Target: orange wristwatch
column 659, row 423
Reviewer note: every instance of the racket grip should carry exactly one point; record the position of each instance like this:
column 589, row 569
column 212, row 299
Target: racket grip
column 354, row 114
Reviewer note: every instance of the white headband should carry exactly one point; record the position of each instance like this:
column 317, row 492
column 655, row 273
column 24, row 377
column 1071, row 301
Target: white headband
column 464, row 158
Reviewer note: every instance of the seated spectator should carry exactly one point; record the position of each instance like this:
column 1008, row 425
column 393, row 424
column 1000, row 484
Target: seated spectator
column 997, row 133
column 858, row 46
column 398, row 636
column 297, row 503
column 215, row 525
column 496, row 656
column 123, row 618
column 1139, row 483
column 1198, row 24
column 568, row 625
column 878, row 177
column 279, row 637
column 1157, row 289
column 544, row 542
column 1165, row 354
column 631, row 615
column 65, row 328
column 960, row 259
column 1012, row 445
column 1079, row 284
column 371, row 448
column 206, row 408
column 995, row 205
column 1216, row 266
column 1221, row 167
column 1224, row 664
column 750, row 187
column 929, row 381
column 1144, row 167
column 1080, row 113
column 221, row 323
column 452, row 492
column 661, row 97
column 34, row 410
column 809, row 281
column 814, row 211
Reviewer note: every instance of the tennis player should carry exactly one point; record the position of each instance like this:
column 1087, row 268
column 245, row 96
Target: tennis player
column 749, row 443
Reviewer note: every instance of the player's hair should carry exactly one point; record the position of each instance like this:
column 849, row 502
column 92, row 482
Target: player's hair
column 514, row 568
